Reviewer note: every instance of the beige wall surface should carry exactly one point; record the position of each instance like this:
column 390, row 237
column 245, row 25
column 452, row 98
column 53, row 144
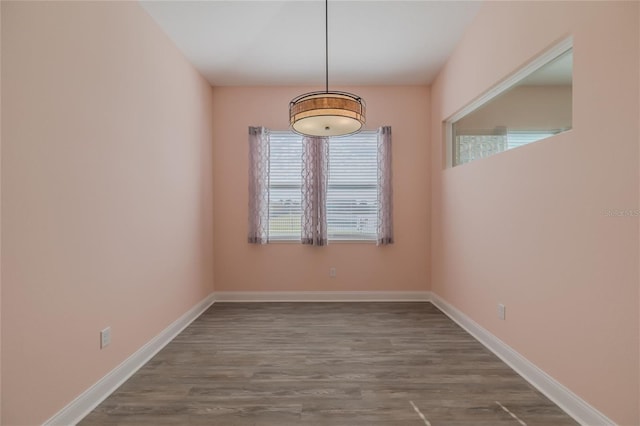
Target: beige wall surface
column 532, row 227
column 106, row 195
column 523, row 108
column 107, row 172
column 240, row 266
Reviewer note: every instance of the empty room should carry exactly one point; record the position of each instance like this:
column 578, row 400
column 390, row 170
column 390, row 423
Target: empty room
column 320, row 212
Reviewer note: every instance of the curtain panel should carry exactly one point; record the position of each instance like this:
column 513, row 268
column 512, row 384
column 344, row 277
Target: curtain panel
column 474, row 144
column 314, row 187
column 315, row 182
column 385, row 191
column 258, row 185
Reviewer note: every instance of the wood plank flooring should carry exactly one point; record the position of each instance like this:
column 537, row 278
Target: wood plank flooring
column 338, row 364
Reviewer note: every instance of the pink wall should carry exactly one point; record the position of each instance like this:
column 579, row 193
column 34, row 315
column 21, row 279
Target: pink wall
column 106, row 195
column 524, row 108
column 240, row 266
column 527, row 227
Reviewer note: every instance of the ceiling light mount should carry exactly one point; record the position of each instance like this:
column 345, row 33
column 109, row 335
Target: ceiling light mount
column 327, row 113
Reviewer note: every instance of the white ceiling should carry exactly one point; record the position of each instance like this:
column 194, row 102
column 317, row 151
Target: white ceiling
column 266, row 42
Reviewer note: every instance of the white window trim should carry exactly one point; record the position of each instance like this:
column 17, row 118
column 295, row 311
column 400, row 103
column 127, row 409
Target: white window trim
column 556, row 50
column 288, row 240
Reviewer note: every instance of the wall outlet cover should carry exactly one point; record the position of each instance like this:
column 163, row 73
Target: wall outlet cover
column 105, row 337
column 502, row 311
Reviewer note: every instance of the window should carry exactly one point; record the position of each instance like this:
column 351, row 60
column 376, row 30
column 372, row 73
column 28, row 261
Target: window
column 531, row 105
column 480, row 144
column 313, row 190
column 285, row 181
column 516, row 138
column 352, row 193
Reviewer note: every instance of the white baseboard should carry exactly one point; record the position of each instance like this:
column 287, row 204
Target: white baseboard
column 571, row 403
column 77, row 409
column 322, row 296
column 576, row 407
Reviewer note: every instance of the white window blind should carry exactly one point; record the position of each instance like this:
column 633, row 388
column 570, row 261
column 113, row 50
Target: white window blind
column 481, row 144
column 516, row 138
column 285, row 178
column 352, row 196
column 352, row 204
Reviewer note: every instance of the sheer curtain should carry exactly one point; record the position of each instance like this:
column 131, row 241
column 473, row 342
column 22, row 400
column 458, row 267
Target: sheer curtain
column 385, row 191
column 315, row 180
column 474, row 144
column 258, row 185
column 314, row 187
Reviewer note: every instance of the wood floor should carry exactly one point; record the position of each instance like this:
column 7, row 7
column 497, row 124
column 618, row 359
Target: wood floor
column 333, row 364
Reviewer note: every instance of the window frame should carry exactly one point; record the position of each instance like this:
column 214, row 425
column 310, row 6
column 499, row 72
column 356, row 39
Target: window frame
column 356, row 237
column 348, row 238
column 270, row 187
column 540, row 61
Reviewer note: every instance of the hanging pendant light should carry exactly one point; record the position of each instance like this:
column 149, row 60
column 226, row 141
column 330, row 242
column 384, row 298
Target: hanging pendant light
column 327, row 113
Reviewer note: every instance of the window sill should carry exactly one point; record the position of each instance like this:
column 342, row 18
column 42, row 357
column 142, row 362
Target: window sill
column 331, row 242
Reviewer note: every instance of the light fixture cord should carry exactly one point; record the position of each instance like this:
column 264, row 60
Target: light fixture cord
column 326, row 44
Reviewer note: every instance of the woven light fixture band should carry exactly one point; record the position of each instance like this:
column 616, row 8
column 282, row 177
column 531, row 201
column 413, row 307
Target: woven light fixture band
column 327, row 114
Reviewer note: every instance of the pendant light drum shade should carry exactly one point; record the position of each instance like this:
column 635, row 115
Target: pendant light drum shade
column 327, row 114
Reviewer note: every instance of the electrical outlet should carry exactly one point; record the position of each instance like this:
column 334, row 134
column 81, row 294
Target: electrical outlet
column 105, row 337
column 502, row 311
column 332, row 272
